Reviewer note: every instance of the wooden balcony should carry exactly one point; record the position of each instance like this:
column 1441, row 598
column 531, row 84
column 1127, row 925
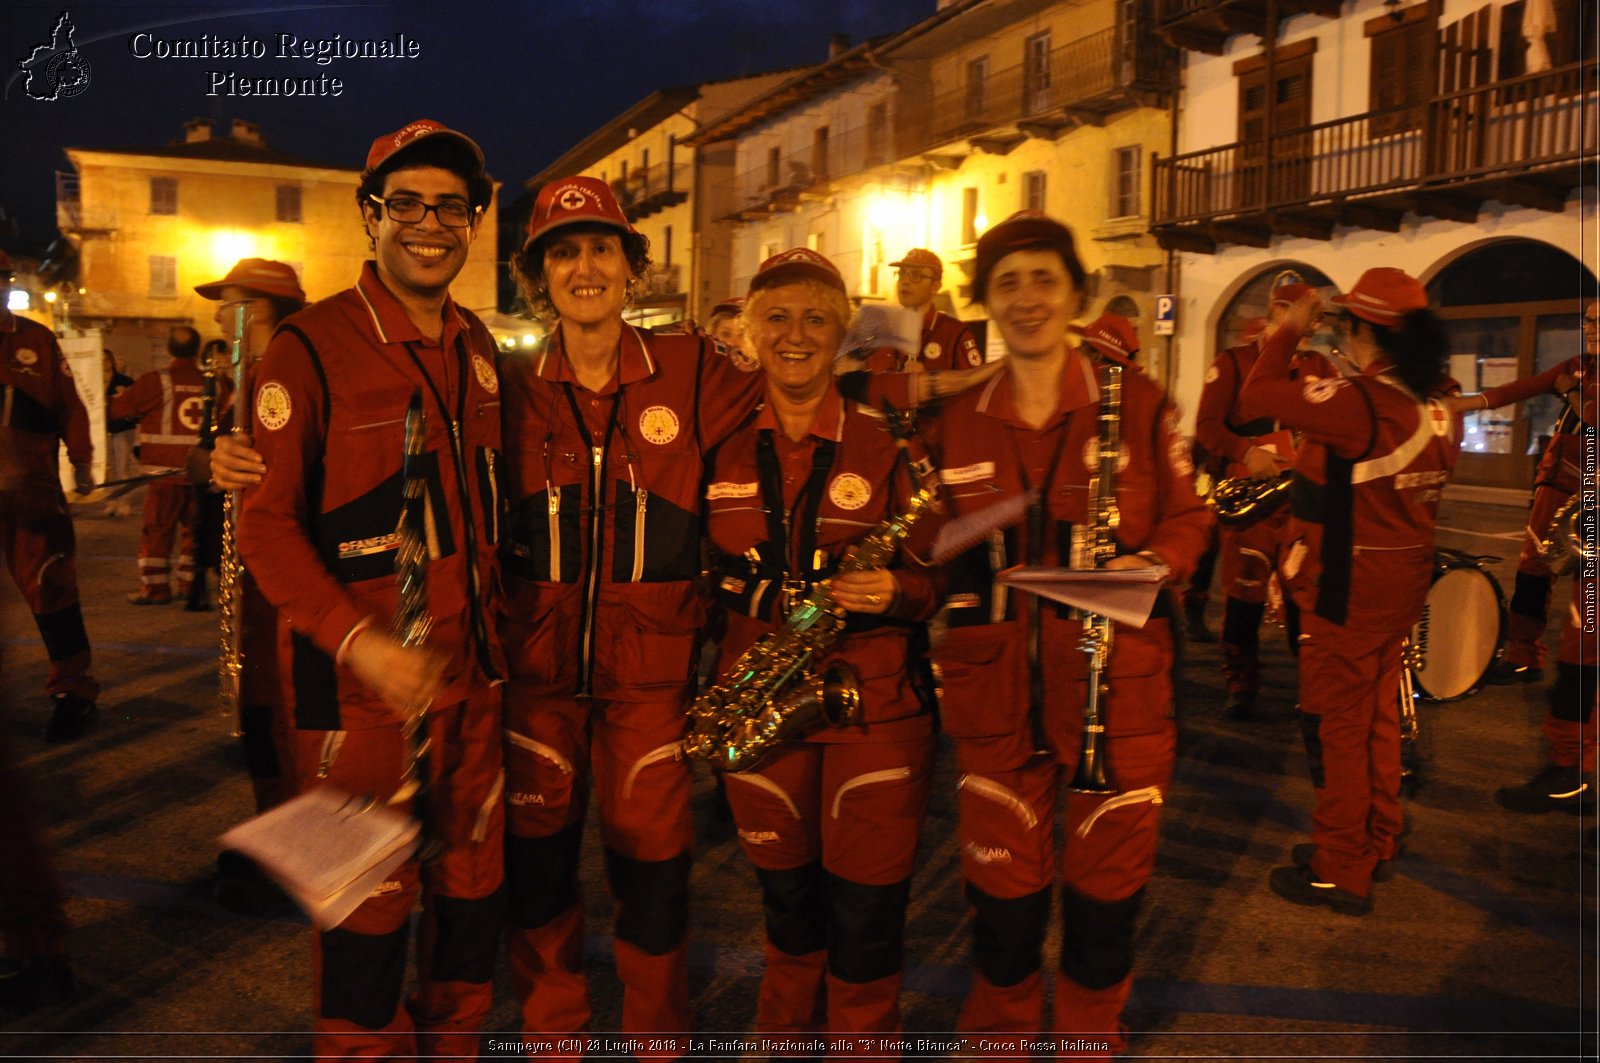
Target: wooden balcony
column 645, row 192
column 1206, row 25
column 1521, row 141
column 779, row 184
column 1087, row 79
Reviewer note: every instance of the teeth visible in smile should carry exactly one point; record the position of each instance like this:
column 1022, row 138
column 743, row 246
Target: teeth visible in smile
column 795, row 356
column 586, row 292
column 425, row 250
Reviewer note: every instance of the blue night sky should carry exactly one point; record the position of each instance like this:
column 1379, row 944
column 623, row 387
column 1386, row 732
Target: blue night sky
column 526, row 80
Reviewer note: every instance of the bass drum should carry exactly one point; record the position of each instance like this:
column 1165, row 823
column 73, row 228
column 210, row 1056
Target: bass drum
column 1463, row 619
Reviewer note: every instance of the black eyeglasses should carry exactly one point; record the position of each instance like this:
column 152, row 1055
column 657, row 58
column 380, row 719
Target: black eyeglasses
column 452, row 213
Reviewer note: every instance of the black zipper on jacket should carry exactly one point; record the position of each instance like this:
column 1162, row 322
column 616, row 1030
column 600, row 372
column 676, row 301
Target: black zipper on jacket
column 597, row 511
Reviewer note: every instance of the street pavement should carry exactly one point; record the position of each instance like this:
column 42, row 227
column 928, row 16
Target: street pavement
column 1483, row 945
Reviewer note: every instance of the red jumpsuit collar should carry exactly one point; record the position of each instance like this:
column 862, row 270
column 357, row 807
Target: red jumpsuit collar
column 634, row 361
column 390, row 322
column 828, row 423
column 1079, row 388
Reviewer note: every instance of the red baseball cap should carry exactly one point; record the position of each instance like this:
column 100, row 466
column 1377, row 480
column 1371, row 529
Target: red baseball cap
column 797, row 263
column 1022, row 229
column 386, row 146
column 921, row 257
column 733, row 304
column 1111, row 334
column 262, row 276
column 571, row 200
column 1290, row 293
column 1383, row 295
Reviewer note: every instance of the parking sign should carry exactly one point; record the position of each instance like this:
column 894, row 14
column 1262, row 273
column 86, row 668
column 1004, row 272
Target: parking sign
column 1166, row 314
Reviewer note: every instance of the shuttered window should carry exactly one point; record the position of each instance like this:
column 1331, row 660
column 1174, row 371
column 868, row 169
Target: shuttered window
column 1400, row 68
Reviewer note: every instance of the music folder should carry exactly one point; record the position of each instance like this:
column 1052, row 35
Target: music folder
column 327, row 849
column 1126, row 595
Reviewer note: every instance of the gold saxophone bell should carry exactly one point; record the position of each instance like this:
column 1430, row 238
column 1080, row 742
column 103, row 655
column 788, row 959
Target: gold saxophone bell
column 1241, row 501
column 1571, row 538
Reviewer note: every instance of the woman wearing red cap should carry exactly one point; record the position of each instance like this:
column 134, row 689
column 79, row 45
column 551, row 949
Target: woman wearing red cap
column 830, row 822
column 1014, row 685
column 1378, row 448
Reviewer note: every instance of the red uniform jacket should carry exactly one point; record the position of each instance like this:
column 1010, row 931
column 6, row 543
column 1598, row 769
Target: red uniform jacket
column 169, row 404
column 947, row 343
column 986, row 453
column 318, row 533
column 1366, row 491
column 39, row 405
column 1561, row 467
column 1217, row 425
column 603, row 541
column 836, row 485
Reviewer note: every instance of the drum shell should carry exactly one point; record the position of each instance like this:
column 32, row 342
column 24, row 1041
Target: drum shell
column 1463, row 622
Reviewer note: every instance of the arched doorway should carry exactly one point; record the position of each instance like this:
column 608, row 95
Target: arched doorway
column 1511, row 308
column 1250, row 303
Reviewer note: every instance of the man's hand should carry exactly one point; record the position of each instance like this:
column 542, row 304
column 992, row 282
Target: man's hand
column 1263, row 464
column 234, row 465
column 407, row 678
column 872, row 591
column 82, row 478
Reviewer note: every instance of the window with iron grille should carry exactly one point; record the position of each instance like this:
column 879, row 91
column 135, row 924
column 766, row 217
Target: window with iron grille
column 977, row 86
column 289, row 203
column 1036, row 72
column 163, row 277
column 163, row 195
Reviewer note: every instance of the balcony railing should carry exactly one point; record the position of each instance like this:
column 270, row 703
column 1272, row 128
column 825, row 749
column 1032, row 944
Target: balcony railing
column 1461, row 142
column 1093, row 73
column 648, row 190
column 1206, row 25
column 777, row 184
column 663, row 281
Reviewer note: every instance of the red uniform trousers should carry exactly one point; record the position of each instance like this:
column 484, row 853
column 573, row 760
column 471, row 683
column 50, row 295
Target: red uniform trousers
column 1350, row 678
column 832, row 830
column 33, row 902
column 1569, row 725
column 1528, row 615
column 624, row 743
column 169, row 507
column 361, row 963
column 41, row 553
column 1249, row 558
column 1008, row 853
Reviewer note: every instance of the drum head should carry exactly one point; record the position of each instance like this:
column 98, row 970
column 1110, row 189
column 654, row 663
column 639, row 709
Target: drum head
column 1458, row 634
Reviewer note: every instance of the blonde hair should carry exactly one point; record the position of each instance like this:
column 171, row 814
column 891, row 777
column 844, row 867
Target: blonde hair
column 826, row 295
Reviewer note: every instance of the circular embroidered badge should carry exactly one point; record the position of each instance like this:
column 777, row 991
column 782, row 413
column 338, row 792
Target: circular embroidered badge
column 658, row 425
column 273, row 406
column 849, row 491
column 485, row 374
column 932, row 350
column 27, row 356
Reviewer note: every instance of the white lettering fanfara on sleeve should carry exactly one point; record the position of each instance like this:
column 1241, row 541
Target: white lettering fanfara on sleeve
column 965, row 474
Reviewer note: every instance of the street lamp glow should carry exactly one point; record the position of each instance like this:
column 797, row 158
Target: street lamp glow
column 529, row 339
column 50, row 296
column 17, row 299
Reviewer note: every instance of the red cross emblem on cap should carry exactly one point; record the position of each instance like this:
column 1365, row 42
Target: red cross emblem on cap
column 572, row 199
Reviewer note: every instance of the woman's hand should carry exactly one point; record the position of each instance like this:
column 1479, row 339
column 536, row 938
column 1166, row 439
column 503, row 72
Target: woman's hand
column 407, row 678
column 871, row 591
column 1264, row 464
column 234, row 465
column 929, row 386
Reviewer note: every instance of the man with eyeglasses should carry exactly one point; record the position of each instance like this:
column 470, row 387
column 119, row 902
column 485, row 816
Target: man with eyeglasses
column 947, row 342
column 318, row 534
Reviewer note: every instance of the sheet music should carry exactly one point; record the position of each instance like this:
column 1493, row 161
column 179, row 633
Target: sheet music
column 1126, row 595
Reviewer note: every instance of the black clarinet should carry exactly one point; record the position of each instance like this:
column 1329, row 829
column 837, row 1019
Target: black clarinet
column 412, row 623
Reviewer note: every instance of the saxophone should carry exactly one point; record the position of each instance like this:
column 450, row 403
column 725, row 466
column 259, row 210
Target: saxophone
column 1571, row 538
column 1240, row 501
column 230, row 575
column 775, row 691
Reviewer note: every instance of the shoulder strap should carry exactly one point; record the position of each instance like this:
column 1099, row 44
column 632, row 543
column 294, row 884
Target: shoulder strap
column 322, row 375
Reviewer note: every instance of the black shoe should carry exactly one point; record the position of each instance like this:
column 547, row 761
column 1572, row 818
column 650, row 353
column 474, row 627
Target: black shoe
column 69, row 718
column 1301, row 855
column 1240, row 707
column 25, row 984
column 1299, row 886
column 1504, row 673
column 1554, row 786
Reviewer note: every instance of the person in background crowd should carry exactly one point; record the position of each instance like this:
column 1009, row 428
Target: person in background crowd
column 1110, row 336
column 168, row 403
column 119, row 434
column 40, row 409
column 947, row 342
column 830, row 822
column 272, row 292
column 330, row 410
column 1262, row 449
column 1564, row 781
column 1376, row 451
column 1015, row 708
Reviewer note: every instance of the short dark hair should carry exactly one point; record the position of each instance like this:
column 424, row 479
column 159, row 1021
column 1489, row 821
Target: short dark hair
column 444, row 152
column 186, row 347
column 1419, row 347
column 527, row 265
column 1069, row 259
